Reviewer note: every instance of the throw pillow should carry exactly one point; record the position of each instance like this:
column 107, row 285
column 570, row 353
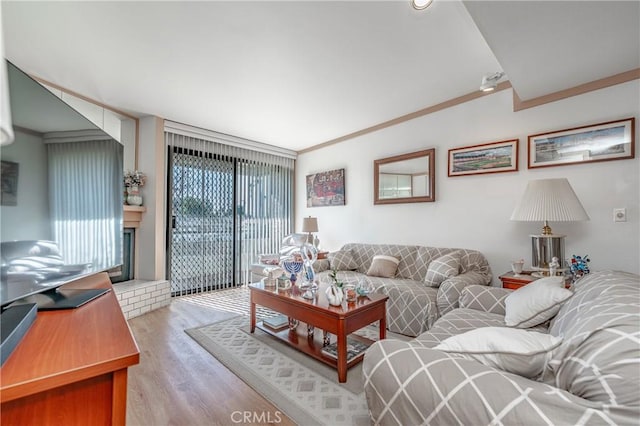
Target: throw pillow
column 520, row 352
column 442, row 268
column 383, row 266
column 342, row 260
column 535, row 303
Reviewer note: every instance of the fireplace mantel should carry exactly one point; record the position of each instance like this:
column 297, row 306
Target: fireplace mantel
column 133, row 216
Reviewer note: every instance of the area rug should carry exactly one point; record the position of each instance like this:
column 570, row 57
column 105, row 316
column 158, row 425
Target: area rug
column 303, row 388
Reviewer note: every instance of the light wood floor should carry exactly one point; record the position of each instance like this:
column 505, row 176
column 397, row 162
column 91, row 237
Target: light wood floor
column 179, row 383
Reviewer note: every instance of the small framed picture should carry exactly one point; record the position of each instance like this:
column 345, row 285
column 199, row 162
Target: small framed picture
column 9, row 183
column 494, row 157
column 326, row 189
column 613, row 140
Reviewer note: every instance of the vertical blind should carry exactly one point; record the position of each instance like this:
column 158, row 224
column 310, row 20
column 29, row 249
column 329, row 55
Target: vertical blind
column 85, row 201
column 228, row 204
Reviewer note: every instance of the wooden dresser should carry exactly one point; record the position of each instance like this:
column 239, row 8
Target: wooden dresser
column 71, row 366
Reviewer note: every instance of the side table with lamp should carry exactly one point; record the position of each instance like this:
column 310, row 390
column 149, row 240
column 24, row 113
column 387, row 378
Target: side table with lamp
column 548, row 200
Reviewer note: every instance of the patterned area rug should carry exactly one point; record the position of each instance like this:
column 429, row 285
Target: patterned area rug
column 305, row 389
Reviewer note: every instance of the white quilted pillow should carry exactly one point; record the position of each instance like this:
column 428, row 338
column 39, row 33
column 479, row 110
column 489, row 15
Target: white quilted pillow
column 521, row 352
column 535, row 303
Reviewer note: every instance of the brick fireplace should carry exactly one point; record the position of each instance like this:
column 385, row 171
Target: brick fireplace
column 137, row 296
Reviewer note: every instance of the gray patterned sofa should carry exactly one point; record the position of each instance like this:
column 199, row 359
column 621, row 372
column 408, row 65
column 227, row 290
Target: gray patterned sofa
column 414, row 302
column 592, row 377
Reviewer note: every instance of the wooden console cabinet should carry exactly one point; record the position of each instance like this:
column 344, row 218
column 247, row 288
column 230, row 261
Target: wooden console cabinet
column 71, row 367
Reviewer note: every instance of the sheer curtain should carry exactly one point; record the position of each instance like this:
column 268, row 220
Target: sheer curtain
column 230, row 201
column 85, row 200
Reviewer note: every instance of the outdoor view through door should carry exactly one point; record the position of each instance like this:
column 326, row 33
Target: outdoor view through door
column 227, row 205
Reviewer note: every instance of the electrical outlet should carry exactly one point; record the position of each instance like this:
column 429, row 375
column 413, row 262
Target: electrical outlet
column 619, row 215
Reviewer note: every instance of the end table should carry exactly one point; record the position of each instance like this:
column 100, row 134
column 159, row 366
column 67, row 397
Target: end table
column 510, row 281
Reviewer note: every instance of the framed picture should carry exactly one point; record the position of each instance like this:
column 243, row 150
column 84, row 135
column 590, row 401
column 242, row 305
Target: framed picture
column 494, row 157
column 9, row 178
column 613, row 140
column 326, row 189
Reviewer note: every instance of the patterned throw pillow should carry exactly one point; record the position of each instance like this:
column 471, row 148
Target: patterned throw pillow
column 383, row 266
column 342, row 261
column 535, row 303
column 442, row 268
column 521, row 352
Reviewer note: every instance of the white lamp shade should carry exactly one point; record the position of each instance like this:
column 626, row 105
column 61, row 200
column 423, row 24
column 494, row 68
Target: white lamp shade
column 310, row 224
column 549, row 200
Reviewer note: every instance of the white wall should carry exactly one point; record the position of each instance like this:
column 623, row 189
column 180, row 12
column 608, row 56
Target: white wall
column 473, row 211
column 30, row 153
column 151, row 234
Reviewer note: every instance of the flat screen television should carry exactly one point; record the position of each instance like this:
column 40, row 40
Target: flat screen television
column 61, row 212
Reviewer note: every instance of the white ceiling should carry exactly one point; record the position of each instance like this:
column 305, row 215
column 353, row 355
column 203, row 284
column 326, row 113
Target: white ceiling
column 298, row 73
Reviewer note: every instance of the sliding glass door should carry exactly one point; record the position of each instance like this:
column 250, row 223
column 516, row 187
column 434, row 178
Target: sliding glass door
column 226, row 206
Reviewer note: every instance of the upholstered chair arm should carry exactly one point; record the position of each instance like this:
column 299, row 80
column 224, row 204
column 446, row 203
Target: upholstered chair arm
column 407, row 384
column 450, row 289
column 483, row 298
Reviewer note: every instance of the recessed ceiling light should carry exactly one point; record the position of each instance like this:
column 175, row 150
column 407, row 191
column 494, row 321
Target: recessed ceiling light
column 421, row 4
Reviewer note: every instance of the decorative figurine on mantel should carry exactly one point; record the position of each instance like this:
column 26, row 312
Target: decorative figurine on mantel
column 553, row 267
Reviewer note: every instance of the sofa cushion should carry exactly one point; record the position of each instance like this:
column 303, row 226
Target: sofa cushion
column 483, row 298
column 512, row 350
column 535, row 303
column 461, row 320
column 342, row 260
column 442, row 268
column 598, row 358
column 412, row 306
column 383, row 266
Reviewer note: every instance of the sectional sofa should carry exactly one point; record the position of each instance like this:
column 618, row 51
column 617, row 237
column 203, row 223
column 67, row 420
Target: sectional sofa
column 426, row 283
column 588, row 374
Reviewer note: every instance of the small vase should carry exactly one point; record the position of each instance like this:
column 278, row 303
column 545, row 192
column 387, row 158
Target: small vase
column 133, row 195
column 334, row 295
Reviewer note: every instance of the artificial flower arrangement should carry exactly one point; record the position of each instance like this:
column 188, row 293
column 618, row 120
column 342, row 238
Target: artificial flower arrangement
column 579, row 265
column 134, row 178
column 334, row 277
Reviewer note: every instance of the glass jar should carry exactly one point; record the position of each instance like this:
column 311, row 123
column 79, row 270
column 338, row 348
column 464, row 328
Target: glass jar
column 350, row 292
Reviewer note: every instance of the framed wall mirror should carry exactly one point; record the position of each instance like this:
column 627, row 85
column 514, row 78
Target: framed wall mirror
column 406, row 178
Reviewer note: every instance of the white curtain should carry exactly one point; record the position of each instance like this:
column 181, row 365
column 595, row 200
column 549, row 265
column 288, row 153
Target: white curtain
column 85, row 201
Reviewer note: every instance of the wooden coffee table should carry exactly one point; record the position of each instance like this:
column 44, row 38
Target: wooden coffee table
column 317, row 313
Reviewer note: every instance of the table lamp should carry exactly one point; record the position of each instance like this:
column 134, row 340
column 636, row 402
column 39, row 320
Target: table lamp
column 548, row 200
column 310, row 225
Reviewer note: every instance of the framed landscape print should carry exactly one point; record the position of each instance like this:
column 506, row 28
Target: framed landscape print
column 494, row 157
column 9, row 176
column 326, row 189
column 613, row 140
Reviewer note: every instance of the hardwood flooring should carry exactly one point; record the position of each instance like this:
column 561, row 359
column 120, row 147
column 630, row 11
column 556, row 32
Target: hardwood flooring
column 179, row 383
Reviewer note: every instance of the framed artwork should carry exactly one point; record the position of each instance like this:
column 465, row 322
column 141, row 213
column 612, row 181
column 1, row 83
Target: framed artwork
column 326, row 189
column 493, row 157
column 613, row 140
column 9, row 178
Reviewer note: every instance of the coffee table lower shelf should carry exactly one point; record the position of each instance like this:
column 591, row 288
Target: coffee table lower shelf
column 313, row 346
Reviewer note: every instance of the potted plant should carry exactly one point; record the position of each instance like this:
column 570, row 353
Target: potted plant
column 133, row 181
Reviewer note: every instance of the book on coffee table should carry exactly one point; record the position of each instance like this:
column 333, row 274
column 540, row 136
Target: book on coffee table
column 354, row 348
column 276, row 323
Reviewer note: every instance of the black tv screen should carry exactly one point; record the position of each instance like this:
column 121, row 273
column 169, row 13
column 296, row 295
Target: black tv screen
column 61, row 205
